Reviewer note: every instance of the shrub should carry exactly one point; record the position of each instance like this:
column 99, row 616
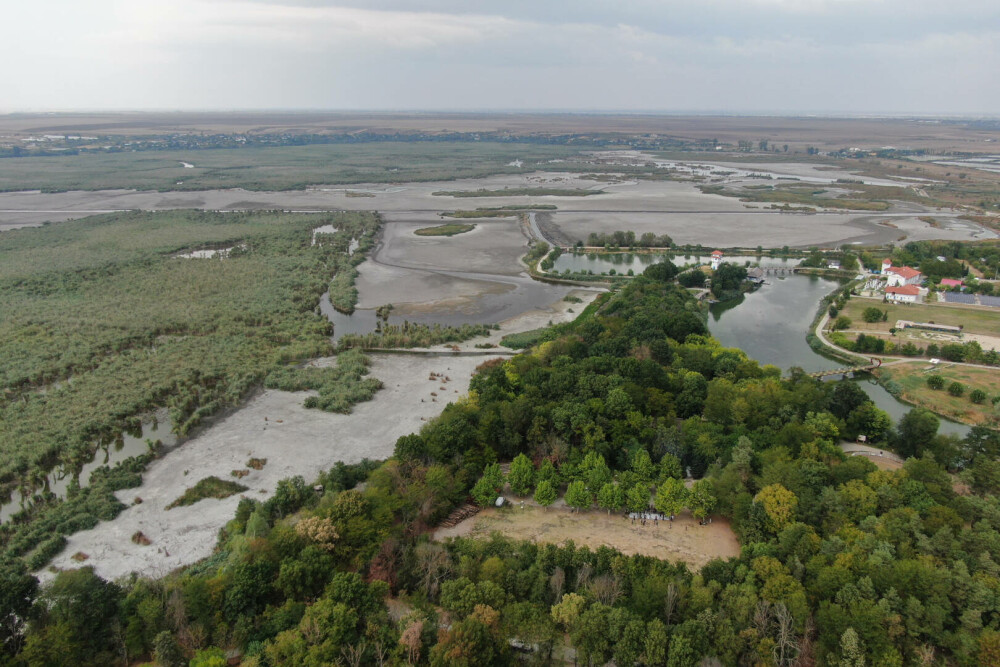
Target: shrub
column 841, row 322
column 871, row 315
column 209, row 487
column 935, row 382
column 956, row 389
column 953, row 352
column 977, row 396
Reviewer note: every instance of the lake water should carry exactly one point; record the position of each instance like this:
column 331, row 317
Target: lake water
column 771, row 324
column 156, row 427
column 599, row 263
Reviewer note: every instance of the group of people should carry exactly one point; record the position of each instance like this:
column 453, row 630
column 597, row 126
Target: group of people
column 644, row 517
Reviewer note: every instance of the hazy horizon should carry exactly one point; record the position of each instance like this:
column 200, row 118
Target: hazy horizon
column 720, row 57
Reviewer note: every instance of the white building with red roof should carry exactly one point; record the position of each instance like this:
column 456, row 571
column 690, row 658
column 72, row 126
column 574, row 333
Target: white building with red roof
column 903, row 294
column 897, row 276
column 716, row 259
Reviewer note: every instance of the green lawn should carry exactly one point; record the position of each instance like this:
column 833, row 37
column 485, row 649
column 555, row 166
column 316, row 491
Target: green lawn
column 972, row 319
column 912, row 377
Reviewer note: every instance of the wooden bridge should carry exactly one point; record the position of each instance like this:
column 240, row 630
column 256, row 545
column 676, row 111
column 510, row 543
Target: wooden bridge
column 846, row 371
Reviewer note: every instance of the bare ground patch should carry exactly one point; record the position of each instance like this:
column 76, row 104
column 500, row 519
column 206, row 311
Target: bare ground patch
column 683, row 540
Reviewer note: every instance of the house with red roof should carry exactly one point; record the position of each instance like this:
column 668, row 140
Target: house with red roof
column 951, row 282
column 903, row 294
column 897, row 276
column 716, row 259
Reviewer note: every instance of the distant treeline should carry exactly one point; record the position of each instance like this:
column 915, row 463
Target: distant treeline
column 627, row 239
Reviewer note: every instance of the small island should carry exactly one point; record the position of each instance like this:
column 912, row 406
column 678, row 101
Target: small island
column 450, row 229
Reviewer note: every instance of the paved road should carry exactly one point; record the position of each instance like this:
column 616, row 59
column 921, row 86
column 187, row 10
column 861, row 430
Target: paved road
column 887, row 360
column 857, row 449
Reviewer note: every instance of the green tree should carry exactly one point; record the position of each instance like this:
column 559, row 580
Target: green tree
column 547, row 471
column 977, row 396
column 167, row 652
column 567, row 610
column 779, row 504
column 637, row 498
column 611, row 497
column 701, row 499
column 18, row 589
column 591, row 635
column 643, row 466
column 915, row 432
column 522, row 475
column 956, row 389
column 577, row 495
column 209, row 657
column 935, row 381
column 545, row 494
column 871, row 315
column 858, row 500
column 484, row 492
column 670, row 466
column 594, row 471
column 656, row 644
column 851, row 652
column 487, row 489
column 468, row 643
column 869, row 420
column 671, row 497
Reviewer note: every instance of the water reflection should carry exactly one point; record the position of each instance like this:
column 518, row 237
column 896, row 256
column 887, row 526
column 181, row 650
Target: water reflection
column 771, row 324
column 154, row 428
column 621, row 262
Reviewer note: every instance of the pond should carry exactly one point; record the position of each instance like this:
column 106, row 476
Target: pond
column 771, row 324
column 155, row 427
column 599, row 263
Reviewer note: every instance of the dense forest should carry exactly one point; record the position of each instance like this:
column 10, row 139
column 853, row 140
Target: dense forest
column 106, row 319
column 841, row 563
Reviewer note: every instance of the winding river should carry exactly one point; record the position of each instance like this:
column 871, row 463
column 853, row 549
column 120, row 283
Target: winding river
column 771, row 324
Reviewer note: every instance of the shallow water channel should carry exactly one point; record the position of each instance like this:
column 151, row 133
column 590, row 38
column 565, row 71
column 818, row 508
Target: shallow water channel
column 599, row 263
column 155, row 427
column 771, row 324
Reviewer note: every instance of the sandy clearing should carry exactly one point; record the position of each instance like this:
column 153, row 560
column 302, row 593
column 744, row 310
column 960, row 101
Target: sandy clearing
column 302, row 443
column 683, row 540
column 987, row 342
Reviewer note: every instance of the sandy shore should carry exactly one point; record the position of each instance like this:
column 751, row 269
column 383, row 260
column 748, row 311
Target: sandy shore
column 295, row 441
column 272, row 425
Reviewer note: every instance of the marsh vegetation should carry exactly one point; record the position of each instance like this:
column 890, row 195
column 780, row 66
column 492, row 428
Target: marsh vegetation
column 101, row 322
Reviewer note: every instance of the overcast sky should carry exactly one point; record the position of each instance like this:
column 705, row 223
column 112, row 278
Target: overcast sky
column 853, row 56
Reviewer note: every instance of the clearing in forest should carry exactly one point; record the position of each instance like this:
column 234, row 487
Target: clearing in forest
column 684, row 541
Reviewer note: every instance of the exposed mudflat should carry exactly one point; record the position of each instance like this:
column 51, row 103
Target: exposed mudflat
column 476, row 277
column 676, row 208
